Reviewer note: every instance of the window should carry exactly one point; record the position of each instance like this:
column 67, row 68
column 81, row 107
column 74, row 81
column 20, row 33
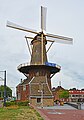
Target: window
column 38, row 100
column 24, row 87
column 73, row 95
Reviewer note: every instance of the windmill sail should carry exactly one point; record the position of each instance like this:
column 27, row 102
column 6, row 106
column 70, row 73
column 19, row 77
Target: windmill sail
column 59, row 39
column 43, row 18
column 15, row 26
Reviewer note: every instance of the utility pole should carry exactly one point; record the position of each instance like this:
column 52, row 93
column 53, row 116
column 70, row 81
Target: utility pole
column 4, row 88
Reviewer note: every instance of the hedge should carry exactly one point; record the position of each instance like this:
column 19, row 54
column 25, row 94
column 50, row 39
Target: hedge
column 19, row 103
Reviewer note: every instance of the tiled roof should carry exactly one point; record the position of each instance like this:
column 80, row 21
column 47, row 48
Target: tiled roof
column 58, row 88
column 25, row 81
column 76, row 91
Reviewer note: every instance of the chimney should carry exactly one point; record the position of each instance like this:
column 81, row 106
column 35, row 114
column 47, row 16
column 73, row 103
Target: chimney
column 21, row 80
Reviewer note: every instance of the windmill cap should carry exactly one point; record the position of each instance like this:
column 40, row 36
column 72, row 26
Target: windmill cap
column 38, row 38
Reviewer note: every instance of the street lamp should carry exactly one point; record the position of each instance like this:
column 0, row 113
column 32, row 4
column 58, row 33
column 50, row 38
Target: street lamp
column 42, row 92
column 4, row 87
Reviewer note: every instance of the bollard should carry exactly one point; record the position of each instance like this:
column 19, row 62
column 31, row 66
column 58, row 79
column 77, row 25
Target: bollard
column 79, row 106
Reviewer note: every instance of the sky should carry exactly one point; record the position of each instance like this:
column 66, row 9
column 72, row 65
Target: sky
column 64, row 17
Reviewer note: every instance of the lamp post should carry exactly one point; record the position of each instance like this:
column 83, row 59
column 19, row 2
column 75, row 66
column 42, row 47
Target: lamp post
column 4, row 86
column 41, row 92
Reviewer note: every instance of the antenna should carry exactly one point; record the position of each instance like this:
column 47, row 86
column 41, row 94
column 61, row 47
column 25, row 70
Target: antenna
column 59, row 83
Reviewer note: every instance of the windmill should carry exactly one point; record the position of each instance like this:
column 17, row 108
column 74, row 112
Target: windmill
column 40, row 71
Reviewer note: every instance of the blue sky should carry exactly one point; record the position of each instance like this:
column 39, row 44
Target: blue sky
column 64, row 17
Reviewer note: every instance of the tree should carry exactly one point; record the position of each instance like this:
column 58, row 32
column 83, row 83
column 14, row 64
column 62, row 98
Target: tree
column 73, row 89
column 64, row 94
column 8, row 91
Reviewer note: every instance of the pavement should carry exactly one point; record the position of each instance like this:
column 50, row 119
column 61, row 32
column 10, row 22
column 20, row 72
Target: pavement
column 65, row 106
column 65, row 112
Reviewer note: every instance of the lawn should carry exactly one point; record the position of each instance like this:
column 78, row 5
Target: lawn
column 19, row 113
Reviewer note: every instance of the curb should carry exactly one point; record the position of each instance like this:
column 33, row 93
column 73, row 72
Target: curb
column 40, row 112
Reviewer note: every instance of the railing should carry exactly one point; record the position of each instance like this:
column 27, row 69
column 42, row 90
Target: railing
column 22, row 65
column 47, row 64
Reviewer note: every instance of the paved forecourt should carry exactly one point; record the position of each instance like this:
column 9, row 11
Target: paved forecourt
column 65, row 112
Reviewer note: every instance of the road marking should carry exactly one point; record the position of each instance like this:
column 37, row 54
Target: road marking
column 59, row 113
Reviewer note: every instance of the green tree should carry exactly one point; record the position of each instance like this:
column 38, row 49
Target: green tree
column 8, row 91
column 64, row 94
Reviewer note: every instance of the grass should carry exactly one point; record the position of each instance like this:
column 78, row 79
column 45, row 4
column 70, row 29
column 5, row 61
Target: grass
column 19, row 113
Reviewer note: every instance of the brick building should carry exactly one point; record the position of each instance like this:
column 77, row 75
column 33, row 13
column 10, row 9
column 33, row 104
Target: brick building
column 56, row 92
column 35, row 91
column 22, row 90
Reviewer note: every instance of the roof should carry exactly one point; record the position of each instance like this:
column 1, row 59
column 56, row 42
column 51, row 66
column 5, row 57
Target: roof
column 57, row 89
column 76, row 91
column 25, row 81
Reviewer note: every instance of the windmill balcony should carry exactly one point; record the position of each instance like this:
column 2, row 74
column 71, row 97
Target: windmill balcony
column 22, row 65
column 46, row 64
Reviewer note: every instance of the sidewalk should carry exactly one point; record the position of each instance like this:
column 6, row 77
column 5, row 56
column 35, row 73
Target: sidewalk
column 65, row 106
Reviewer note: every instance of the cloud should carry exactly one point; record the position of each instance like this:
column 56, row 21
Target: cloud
column 68, row 20
column 71, row 75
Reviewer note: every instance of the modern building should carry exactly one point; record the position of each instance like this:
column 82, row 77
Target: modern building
column 76, row 95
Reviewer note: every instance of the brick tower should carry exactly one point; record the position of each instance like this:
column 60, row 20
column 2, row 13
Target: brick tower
column 39, row 74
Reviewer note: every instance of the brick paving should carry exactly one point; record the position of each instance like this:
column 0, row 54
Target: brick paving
column 53, row 114
column 65, row 112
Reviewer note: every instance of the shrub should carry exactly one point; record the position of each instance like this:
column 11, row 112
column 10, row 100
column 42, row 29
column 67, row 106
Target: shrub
column 19, row 103
column 10, row 103
column 23, row 103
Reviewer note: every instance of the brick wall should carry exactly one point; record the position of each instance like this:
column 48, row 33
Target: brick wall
column 45, row 102
column 23, row 92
